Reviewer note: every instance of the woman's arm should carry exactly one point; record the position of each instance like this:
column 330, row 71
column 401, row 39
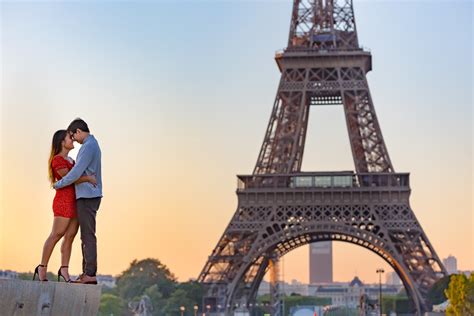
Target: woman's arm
column 91, row 179
column 84, row 157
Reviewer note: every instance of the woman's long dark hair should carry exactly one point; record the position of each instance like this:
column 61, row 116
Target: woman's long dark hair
column 56, row 146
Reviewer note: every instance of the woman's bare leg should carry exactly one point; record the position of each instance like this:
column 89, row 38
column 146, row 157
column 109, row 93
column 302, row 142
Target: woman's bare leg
column 66, row 246
column 60, row 225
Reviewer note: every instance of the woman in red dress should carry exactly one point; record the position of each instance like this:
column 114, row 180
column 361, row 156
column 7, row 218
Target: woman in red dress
column 64, row 206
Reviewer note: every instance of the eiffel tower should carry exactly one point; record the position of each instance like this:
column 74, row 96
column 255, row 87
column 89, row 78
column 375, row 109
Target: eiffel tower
column 281, row 208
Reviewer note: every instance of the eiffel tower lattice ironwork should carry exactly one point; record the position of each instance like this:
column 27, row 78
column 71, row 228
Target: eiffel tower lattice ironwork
column 281, row 208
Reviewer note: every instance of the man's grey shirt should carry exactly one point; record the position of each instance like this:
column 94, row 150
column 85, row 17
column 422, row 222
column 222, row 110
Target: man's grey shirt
column 88, row 163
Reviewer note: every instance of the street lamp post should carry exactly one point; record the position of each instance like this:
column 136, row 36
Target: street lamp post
column 380, row 271
column 182, row 309
column 195, row 310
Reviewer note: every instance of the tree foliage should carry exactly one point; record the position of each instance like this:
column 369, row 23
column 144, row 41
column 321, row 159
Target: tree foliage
column 460, row 293
column 111, row 305
column 400, row 304
column 179, row 298
column 152, row 282
column 29, row 276
column 143, row 274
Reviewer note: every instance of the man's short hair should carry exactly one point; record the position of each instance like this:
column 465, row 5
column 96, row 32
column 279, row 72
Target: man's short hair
column 78, row 124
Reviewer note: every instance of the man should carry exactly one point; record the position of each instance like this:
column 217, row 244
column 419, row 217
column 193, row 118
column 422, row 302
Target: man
column 88, row 196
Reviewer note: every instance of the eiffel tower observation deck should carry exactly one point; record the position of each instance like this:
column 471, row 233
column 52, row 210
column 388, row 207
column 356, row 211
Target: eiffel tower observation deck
column 281, row 208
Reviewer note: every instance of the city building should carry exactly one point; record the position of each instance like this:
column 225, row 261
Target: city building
column 106, row 280
column 467, row 273
column 392, row 278
column 295, row 287
column 451, row 264
column 320, row 262
column 340, row 293
column 8, row 274
column 349, row 294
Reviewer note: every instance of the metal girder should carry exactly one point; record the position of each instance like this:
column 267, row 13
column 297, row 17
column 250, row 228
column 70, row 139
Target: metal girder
column 303, row 84
column 372, row 211
column 322, row 25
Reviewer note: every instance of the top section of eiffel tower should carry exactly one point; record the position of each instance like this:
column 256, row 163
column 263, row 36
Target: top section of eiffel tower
column 322, row 65
column 323, row 25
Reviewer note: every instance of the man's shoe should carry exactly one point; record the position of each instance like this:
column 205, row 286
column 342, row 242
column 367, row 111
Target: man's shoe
column 85, row 279
column 79, row 278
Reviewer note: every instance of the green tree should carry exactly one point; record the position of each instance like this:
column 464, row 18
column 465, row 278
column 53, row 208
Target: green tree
column 186, row 294
column 110, row 290
column 400, row 304
column 151, row 278
column 470, row 294
column 156, row 298
column 194, row 291
column 389, row 304
column 111, row 305
column 343, row 311
column 154, row 293
column 456, row 293
column 29, row 276
column 143, row 274
column 178, row 298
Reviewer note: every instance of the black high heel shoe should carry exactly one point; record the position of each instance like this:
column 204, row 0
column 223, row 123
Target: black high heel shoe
column 37, row 272
column 61, row 275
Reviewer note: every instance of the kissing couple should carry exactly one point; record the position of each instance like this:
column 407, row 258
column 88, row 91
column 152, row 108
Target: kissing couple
column 78, row 188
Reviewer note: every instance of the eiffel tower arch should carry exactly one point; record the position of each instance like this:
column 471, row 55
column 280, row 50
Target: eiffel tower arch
column 281, row 208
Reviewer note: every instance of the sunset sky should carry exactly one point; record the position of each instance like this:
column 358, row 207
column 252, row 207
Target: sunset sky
column 179, row 93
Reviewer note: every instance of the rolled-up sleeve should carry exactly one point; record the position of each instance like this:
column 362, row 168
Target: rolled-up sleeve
column 84, row 157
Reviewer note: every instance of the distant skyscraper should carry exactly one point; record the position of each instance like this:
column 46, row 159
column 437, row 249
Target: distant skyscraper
column 451, row 264
column 320, row 262
column 392, row 278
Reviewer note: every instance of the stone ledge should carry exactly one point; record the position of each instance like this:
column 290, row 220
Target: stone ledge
column 31, row 298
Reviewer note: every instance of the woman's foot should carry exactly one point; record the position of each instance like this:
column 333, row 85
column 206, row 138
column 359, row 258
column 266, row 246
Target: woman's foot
column 40, row 270
column 63, row 272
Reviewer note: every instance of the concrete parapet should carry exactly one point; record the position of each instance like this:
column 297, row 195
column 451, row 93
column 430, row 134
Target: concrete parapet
column 34, row 298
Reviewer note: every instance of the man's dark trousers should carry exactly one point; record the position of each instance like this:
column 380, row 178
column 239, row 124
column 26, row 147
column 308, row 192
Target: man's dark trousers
column 86, row 212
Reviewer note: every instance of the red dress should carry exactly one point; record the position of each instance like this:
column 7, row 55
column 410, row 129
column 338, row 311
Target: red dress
column 64, row 203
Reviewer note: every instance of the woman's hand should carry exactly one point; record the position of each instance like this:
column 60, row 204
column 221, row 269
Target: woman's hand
column 92, row 179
